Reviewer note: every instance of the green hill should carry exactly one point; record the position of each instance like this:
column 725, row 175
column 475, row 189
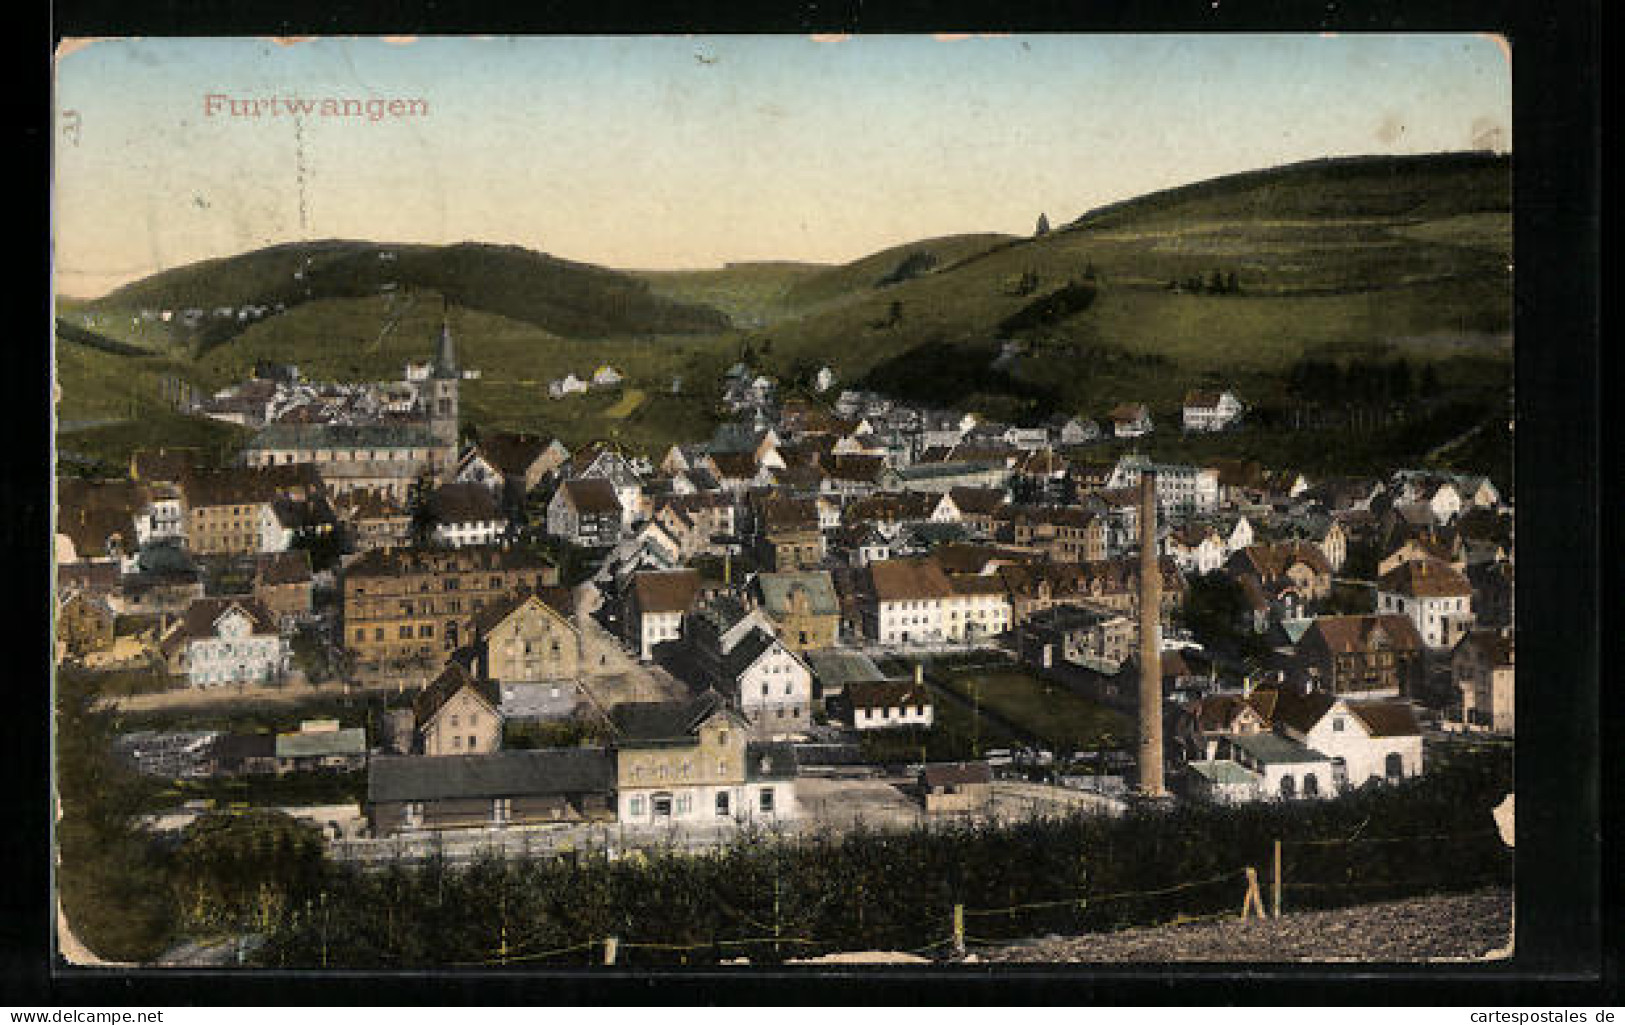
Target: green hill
column 750, row 294
column 1404, row 254
column 559, row 296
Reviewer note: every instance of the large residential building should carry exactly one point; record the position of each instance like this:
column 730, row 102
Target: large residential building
column 528, row 638
column 1211, row 411
column 694, row 762
column 406, row 605
column 386, row 458
column 1064, row 533
column 223, row 641
column 457, row 714
column 1437, row 598
column 1181, row 490
column 1363, row 656
column 234, row 511
column 804, row 608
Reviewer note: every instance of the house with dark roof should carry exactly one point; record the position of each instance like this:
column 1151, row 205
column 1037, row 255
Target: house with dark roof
column 956, row 787
column 222, row 641
column 283, row 584
column 466, row 513
column 511, row 464
column 885, row 704
column 586, row 512
column 693, row 763
column 1362, row 655
column 1435, row 596
column 654, row 605
column 409, row 794
column 1210, row 410
column 458, row 714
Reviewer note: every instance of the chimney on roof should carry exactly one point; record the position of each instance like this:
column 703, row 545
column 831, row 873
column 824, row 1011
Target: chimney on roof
column 1150, row 642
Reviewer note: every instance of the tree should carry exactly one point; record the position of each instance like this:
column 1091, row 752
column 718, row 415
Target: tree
column 1430, row 386
column 421, row 506
column 1043, row 225
column 245, row 870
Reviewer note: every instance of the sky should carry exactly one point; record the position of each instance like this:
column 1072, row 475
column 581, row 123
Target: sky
column 691, row 152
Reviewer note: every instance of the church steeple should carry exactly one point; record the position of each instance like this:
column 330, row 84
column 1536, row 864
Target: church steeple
column 445, row 357
column 442, row 405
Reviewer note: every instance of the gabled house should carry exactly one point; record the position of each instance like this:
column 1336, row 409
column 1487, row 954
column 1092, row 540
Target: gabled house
column 654, row 608
column 586, row 512
column 1079, row 430
column 528, row 638
column 1363, row 740
column 222, row 641
column 1130, row 420
column 1195, row 549
column 1211, row 411
column 1281, row 581
column 803, row 606
column 693, row 762
column 1436, row 598
column 457, row 714
column 885, row 704
column 788, row 533
column 1363, row 656
column 599, row 461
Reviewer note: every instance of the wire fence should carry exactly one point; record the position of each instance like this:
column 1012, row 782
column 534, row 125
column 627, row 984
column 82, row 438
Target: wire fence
column 1244, row 894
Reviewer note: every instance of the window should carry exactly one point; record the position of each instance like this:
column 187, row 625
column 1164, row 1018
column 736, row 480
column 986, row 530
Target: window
column 1394, row 767
column 501, row 810
column 765, row 801
column 722, row 803
column 1289, row 787
column 1311, row 785
column 635, row 806
column 412, row 815
column 1337, row 725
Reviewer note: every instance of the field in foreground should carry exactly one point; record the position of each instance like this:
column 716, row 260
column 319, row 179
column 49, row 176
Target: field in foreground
column 1461, row 926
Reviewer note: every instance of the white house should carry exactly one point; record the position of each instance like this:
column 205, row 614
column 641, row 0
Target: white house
column 466, row 513
column 223, row 641
column 655, row 606
column 569, row 384
column 1131, row 420
column 1363, row 740
column 1437, row 598
column 1181, row 490
column 824, row 380
column 773, row 683
column 1079, row 431
column 1211, row 411
column 606, row 376
column 887, row 704
column 1196, row 550
column 163, row 518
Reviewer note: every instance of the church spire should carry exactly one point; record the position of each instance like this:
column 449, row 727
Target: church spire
column 445, row 359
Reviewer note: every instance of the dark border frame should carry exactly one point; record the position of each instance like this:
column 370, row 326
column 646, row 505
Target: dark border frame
column 1564, row 954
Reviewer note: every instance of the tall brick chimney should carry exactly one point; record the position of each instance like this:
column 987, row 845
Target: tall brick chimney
column 1150, row 642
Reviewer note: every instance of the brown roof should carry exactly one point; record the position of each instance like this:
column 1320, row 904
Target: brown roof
column 248, row 485
column 1204, row 399
column 1128, row 411
column 558, row 599
column 592, row 495
column 1386, row 718
column 467, row 502
column 368, row 504
column 970, row 583
column 890, row 506
column 1298, row 710
column 777, row 513
column 1494, row 646
column 977, row 501
column 452, row 679
column 1217, row 713
column 665, row 590
column 734, row 465
column 513, row 454
column 1355, row 633
column 855, row 467
column 1425, row 578
column 290, row 567
column 392, row 562
column 1272, row 561
column 885, row 694
column 202, row 614
column 962, row 558
column 907, row 579
column 90, row 512
column 956, row 773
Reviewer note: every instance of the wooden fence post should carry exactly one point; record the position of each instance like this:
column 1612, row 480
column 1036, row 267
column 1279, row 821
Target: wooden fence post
column 959, row 930
column 1252, row 900
column 1277, row 882
column 611, row 945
